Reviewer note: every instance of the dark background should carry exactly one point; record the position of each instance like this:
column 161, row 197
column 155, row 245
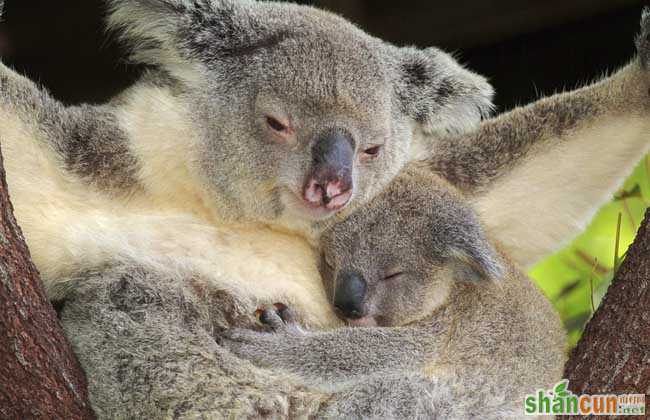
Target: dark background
column 526, row 47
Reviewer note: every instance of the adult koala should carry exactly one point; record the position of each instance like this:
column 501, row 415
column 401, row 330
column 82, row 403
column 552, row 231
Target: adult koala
column 256, row 124
column 134, row 215
column 147, row 340
column 254, row 115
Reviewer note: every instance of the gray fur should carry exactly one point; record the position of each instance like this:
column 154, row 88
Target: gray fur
column 95, row 149
column 143, row 337
column 246, row 59
column 148, row 351
column 538, row 173
column 147, row 339
column 86, row 139
column 473, row 162
column 500, row 332
column 226, row 64
column 643, row 39
column 146, row 343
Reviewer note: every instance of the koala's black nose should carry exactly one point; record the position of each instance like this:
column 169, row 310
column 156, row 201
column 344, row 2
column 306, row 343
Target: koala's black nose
column 349, row 295
column 329, row 183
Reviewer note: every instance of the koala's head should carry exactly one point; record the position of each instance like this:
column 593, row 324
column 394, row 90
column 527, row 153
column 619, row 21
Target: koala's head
column 394, row 260
column 299, row 112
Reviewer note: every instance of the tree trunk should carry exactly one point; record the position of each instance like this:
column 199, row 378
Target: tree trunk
column 613, row 355
column 40, row 377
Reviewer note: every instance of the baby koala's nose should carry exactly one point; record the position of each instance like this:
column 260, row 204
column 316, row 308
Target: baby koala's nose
column 332, row 195
column 349, row 295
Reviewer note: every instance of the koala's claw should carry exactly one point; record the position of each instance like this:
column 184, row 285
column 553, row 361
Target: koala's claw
column 643, row 39
column 269, row 317
column 285, row 313
column 276, row 316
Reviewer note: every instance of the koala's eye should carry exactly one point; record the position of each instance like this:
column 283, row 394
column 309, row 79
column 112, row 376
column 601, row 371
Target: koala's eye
column 394, row 275
column 276, row 125
column 372, row 151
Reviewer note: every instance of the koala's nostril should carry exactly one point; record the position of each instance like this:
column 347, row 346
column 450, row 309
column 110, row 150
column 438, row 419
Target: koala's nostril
column 331, row 194
column 339, row 200
column 349, row 311
column 336, row 194
column 349, row 295
column 313, row 192
column 354, row 314
column 333, row 189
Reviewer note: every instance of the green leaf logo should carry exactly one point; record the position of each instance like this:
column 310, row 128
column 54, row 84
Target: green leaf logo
column 560, row 390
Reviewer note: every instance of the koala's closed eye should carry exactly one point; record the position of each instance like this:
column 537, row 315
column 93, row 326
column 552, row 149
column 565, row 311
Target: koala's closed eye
column 394, row 275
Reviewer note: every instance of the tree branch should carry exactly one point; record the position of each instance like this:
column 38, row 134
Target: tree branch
column 613, row 355
column 39, row 374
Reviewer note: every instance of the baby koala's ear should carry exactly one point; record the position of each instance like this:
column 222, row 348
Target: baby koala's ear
column 439, row 94
column 474, row 259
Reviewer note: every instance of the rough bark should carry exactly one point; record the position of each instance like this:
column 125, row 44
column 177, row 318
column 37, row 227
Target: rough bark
column 40, row 377
column 613, row 355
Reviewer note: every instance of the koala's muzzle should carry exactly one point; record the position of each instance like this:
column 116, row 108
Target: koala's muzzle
column 329, row 183
column 349, row 295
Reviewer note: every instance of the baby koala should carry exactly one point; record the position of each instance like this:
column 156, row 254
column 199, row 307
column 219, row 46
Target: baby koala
column 440, row 321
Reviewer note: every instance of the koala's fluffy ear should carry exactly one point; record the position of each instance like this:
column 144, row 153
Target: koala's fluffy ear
column 439, row 94
column 474, row 259
column 149, row 27
column 183, row 35
column 151, row 30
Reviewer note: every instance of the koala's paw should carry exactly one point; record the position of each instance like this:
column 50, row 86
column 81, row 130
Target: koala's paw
column 643, row 39
column 277, row 317
column 265, row 348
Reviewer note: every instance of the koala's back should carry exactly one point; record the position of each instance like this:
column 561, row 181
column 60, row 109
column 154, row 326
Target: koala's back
column 507, row 330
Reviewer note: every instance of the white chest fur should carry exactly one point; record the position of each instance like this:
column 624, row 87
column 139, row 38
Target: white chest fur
column 70, row 228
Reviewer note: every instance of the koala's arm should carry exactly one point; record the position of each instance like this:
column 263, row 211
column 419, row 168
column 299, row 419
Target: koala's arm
column 22, row 102
column 341, row 356
column 554, row 161
column 378, row 372
column 86, row 140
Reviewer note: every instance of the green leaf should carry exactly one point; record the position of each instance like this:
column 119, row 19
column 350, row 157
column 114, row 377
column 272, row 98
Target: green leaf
column 560, row 388
column 566, row 277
